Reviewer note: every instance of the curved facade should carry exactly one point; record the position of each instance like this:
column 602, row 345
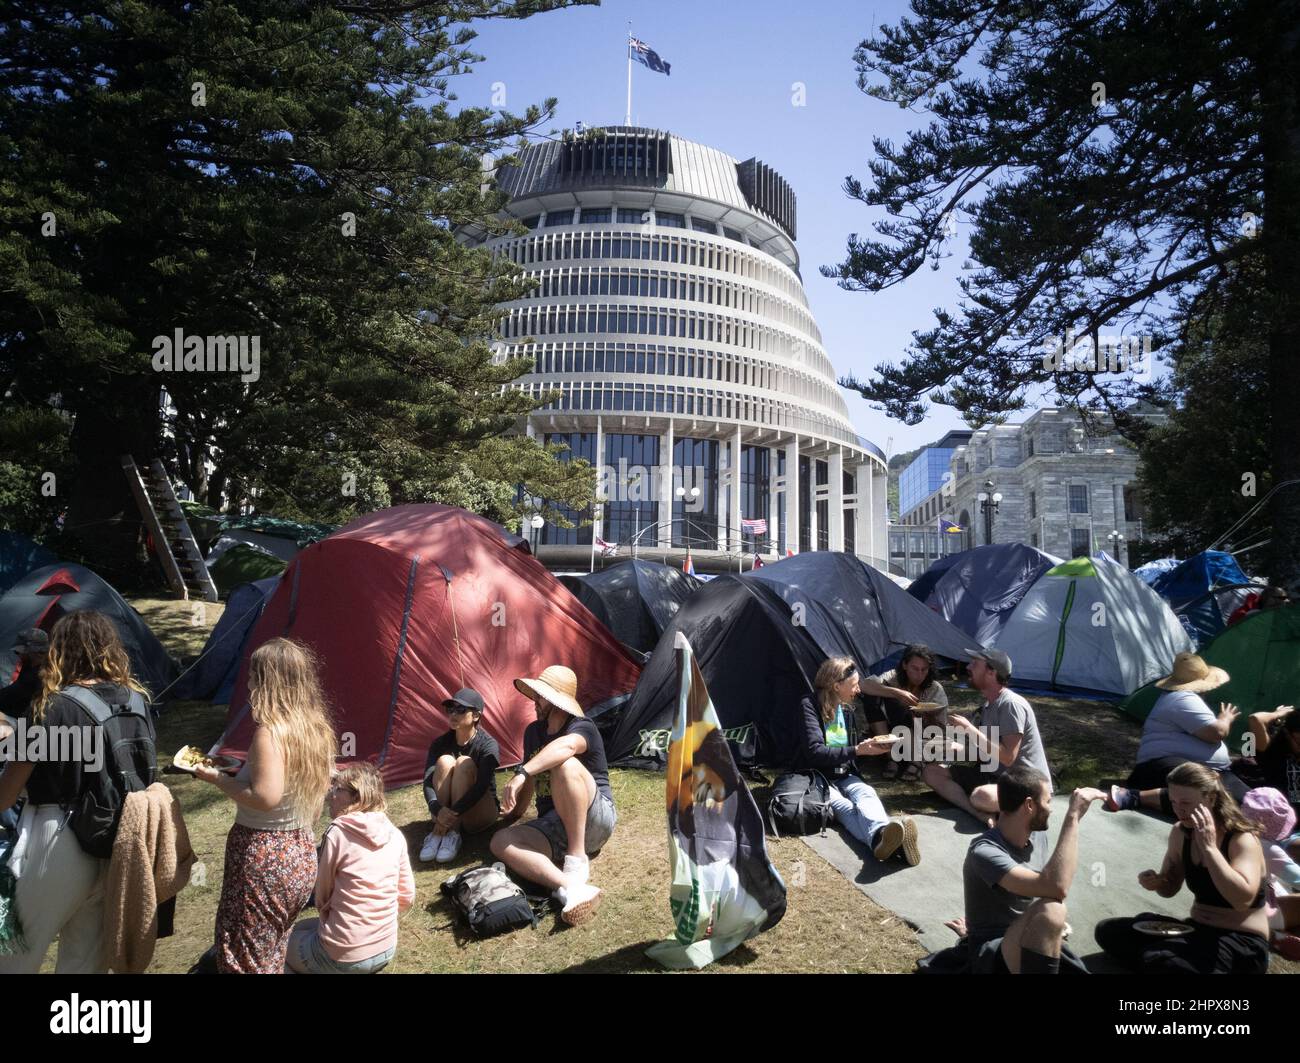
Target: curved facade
column 670, row 315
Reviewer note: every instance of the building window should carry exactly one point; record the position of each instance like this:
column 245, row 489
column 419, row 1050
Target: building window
column 805, row 504
column 702, row 226
column 754, row 494
column 1033, row 540
column 596, row 216
column 627, row 214
column 671, row 221
column 531, row 223
column 732, row 234
column 559, row 217
column 1132, row 505
column 1029, row 444
column 1078, row 498
column 1079, row 542
column 1033, row 506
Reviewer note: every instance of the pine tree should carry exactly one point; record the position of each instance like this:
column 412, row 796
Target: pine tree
column 1109, row 160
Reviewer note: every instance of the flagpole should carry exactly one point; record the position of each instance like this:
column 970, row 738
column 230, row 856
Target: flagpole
column 628, row 119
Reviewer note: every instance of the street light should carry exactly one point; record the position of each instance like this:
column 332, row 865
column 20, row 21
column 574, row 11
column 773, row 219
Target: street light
column 1116, row 539
column 535, row 522
column 989, row 501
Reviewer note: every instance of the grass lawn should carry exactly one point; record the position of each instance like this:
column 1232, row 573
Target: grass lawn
column 829, row 926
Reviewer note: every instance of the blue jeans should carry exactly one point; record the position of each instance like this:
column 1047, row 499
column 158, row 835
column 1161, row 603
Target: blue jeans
column 307, row 954
column 857, row 808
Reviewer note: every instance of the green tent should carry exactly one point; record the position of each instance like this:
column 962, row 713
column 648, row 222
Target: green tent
column 243, row 563
column 1262, row 656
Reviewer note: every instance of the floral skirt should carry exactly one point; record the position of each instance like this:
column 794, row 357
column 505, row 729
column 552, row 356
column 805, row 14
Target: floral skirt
column 268, row 879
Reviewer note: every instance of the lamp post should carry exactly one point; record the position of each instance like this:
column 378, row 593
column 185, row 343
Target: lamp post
column 1116, row 539
column 989, row 501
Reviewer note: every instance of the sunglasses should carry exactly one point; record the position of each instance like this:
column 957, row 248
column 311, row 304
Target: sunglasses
column 459, row 710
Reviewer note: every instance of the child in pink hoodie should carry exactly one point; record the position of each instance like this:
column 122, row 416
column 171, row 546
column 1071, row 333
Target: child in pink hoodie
column 363, row 883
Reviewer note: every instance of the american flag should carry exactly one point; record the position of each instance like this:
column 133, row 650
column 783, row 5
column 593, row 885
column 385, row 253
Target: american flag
column 647, row 56
column 754, row 527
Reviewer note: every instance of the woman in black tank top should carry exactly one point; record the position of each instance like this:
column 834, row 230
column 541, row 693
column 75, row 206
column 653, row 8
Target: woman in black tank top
column 1213, row 849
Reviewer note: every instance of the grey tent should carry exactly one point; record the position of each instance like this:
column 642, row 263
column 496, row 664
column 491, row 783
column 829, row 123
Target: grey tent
column 635, row 599
column 759, row 639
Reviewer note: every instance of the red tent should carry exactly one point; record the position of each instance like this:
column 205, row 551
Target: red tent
column 406, row 606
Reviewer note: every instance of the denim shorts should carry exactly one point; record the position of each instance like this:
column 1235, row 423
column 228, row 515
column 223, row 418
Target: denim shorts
column 601, row 818
column 307, row 954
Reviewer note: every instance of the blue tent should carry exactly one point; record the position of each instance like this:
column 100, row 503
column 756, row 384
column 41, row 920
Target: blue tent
column 1188, row 590
column 19, row 555
column 1153, row 570
column 212, row 677
column 976, row 590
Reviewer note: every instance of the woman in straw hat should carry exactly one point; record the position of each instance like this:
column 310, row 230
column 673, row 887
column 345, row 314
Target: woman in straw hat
column 1181, row 729
column 564, row 766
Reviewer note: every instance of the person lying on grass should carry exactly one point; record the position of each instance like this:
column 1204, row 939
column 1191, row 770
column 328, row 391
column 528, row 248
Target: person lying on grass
column 1216, row 851
column 564, row 766
column 363, row 883
column 1007, row 735
column 460, row 785
column 1015, row 893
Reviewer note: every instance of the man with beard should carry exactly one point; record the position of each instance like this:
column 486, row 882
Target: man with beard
column 1015, row 892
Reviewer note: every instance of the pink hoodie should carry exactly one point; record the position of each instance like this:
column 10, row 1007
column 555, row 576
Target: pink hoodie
column 363, row 883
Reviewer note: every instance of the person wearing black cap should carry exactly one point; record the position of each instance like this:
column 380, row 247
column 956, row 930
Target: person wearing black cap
column 32, row 647
column 460, row 778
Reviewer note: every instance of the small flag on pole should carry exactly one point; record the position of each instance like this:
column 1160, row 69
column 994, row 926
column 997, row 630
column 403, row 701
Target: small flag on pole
column 647, row 56
column 606, row 549
column 758, row 561
column 948, row 527
column 789, row 552
column 688, row 566
column 754, row 527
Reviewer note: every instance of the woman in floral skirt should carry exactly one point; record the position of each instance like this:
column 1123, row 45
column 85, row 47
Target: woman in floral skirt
column 271, row 850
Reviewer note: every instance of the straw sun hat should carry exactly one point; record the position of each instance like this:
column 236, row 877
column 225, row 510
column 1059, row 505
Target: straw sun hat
column 1192, row 673
column 557, row 685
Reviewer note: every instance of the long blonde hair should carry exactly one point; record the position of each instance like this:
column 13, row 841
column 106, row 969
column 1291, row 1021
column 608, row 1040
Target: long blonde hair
column 1222, row 804
column 285, row 697
column 84, row 646
column 831, row 672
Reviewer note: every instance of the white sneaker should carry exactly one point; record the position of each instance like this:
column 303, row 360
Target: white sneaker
column 561, row 896
column 432, row 843
column 449, row 848
column 581, row 902
column 577, row 869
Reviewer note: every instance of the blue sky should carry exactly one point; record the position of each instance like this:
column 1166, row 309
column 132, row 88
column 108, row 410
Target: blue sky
column 734, row 68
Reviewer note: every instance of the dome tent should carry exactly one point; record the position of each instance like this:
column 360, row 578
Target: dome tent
column 976, row 590
column 1090, row 625
column 212, row 677
column 759, row 639
column 41, row 597
column 407, row 605
column 635, row 599
column 19, row 555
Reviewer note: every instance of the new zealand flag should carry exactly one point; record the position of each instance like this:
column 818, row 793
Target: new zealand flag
column 647, row 56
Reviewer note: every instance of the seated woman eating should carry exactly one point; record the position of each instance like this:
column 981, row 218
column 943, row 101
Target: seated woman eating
column 1216, row 851
column 831, row 746
column 897, row 692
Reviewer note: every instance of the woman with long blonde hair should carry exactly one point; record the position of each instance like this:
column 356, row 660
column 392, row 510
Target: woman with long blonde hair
column 1216, row 851
column 60, row 887
column 831, row 746
column 271, row 849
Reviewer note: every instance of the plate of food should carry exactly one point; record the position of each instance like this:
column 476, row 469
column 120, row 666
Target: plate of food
column 885, row 740
column 1162, row 928
column 191, row 757
column 926, row 706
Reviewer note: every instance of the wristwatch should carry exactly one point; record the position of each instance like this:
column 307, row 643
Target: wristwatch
column 521, row 770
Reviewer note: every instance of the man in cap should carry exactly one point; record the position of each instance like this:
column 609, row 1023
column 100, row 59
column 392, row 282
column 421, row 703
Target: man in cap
column 564, row 766
column 1007, row 734
column 460, row 778
column 1180, row 728
column 33, row 648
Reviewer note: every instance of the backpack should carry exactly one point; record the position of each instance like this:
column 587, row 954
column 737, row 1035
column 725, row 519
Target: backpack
column 800, row 804
column 490, row 901
column 130, row 764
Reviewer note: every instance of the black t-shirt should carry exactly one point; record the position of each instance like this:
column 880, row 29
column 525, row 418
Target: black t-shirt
column 482, row 749
column 1280, row 769
column 536, row 736
column 58, row 782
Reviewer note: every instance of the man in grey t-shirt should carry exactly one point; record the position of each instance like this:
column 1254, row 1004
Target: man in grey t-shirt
column 1007, row 735
column 1015, row 893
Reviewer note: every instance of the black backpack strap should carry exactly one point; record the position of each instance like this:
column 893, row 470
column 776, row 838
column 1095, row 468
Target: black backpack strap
column 96, row 707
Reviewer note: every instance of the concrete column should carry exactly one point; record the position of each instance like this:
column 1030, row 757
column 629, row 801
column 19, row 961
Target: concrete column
column 736, row 514
column 792, row 494
column 724, row 495
column 665, row 493
column 598, row 526
column 771, row 496
column 862, row 511
column 836, row 527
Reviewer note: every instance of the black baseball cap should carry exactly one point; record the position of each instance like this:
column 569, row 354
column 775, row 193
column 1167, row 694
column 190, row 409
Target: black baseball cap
column 465, row 698
column 32, row 640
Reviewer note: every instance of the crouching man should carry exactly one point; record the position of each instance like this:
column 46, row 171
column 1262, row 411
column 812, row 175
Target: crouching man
column 1015, row 892
column 564, row 765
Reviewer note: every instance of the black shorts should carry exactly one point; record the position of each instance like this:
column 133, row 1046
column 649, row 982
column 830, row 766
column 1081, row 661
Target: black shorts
column 971, row 776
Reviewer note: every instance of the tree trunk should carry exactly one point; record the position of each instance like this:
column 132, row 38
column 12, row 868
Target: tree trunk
column 1279, row 78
